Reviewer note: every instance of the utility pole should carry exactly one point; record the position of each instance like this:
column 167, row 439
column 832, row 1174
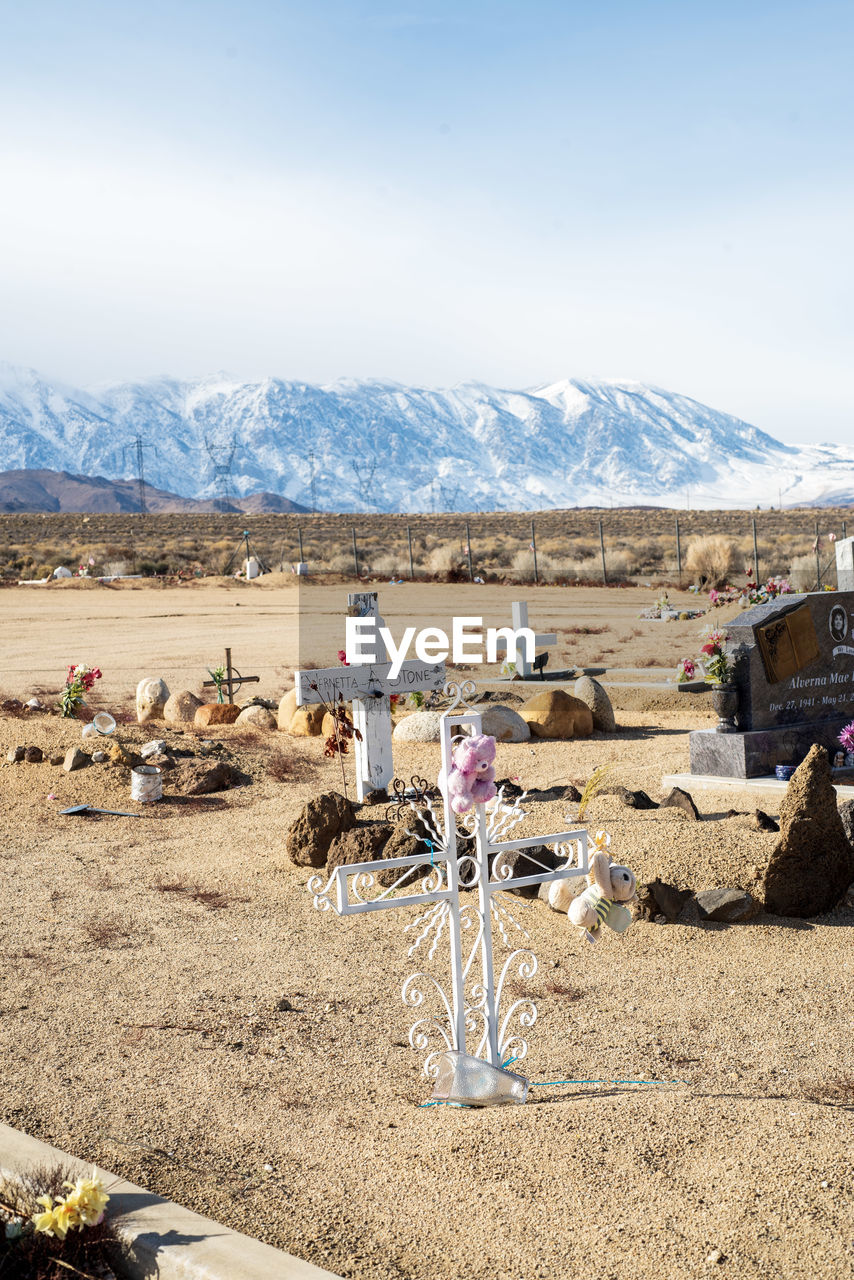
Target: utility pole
column 138, row 446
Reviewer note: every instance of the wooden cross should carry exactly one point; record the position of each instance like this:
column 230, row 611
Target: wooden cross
column 369, row 687
column 472, row 1019
column 545, row 640
column 233, row 679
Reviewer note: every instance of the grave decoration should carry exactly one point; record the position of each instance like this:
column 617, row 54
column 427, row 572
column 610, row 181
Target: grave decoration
column 229, row 678
column 544, row 640
column 370, row 688
column 468, row 1036
column 792, row 665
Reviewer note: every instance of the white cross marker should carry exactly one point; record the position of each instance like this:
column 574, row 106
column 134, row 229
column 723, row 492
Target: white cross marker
column 474, row 1009
column 369, row 687
column 541, row 641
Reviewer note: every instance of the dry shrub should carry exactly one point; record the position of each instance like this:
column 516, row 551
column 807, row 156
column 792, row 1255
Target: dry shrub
column 442, row 559
column 106, row 930
column 711, row 558
column 212, row 899
column 286, row 764
column 802, row 574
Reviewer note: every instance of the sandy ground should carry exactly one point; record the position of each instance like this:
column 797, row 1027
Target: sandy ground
column 139, row 1024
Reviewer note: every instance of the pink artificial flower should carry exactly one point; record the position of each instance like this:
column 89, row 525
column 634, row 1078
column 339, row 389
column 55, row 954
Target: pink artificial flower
column 846, row 737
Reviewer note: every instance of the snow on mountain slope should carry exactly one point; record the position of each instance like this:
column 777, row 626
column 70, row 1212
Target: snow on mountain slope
column 380, row 446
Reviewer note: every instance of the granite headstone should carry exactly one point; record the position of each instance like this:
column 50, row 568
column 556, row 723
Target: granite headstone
column 794, row 671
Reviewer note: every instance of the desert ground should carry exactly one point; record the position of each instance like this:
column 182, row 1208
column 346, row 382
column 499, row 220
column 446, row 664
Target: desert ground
column 173, row 1006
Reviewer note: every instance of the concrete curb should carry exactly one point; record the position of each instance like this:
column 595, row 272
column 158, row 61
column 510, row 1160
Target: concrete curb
column 169, row 1241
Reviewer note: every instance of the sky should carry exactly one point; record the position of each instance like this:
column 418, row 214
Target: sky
column 434, row 193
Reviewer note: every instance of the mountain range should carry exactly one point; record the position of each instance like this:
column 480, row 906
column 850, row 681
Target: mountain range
column 380, row 446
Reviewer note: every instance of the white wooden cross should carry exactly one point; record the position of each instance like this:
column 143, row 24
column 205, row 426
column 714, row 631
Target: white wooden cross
column 541, row 641
column 368, row 686
column 471, row 1018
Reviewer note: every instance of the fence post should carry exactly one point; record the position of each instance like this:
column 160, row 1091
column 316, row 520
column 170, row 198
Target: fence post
column 755, row 554
column 409, row 540
column 534, row 549
column 468, row 550
column 602, row 549
column 817, row 560
column 355, row 553
column 299, row 540
column 678, row 553
column 844, row 534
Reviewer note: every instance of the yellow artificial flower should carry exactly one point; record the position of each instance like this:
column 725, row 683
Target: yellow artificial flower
column 88, row 1198
column 602, row 841
column 44, row 1221
column 65, row 1218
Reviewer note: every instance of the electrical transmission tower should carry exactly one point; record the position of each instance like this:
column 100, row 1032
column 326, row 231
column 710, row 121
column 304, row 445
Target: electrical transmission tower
column 222, row 464
column 312, row 480
column 137, row 447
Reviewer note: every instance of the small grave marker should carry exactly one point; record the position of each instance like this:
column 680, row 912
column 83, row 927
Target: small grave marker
column 519, row 613
column 471, row 1018
column 233, row 679
column 369, row 687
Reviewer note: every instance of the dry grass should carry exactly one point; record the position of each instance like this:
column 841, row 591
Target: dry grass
column 711, row 559
column 286, row 764
column 211, row 899
column 835, row 1091
column 107, row 930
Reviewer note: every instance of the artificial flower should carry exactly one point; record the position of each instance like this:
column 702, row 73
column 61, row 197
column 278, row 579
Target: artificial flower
column 44, row 1221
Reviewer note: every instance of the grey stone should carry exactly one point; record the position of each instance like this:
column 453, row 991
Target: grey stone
column 257, row 716
column 74, row 759
column 504, row 724
column 99, row 757
column 155, row 747
column 725, row 904
column 667, row 898
column 591, row 692
column 15, row 753
column 676, row 798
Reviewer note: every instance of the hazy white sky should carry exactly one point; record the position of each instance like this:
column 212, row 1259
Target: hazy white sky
column 435, row 192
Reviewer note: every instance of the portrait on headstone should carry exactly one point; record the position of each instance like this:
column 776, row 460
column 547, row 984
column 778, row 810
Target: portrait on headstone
column 838, row 623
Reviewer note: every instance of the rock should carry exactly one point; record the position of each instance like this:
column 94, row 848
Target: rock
column 74, row 759
column 362, row 844
column 307, row 722
column 525, row 862
column 284, row 1005
column 421, row 726
column 676, row 798
column 846, row 813
column 181, row 708
column 760, row 821
column 312, row 832
column 34, row 755
column 119, row 755
column 210, row 713
column 151, row 698
column 591, row 692
column 667, row 898
column 56, row 759
column 511, row 789
column 13, row 707
column 632, row 799
column 257, row 717
column 15, row 753
column 34, row 705
column 161, row 760
column 377, row 796
column 201, row 777
column 327, row 725
column 644, row 906
column 287, row 707
column 725, row 904
column 153, row 748
column 99, row 757
column 566, row 792
column 504, row 724
column 554, row 713
column 812, row 863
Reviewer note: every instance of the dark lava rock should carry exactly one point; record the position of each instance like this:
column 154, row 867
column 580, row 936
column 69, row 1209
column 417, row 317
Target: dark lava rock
column 379, row 795
column 632, row 799
column 358, row 844
column 812, row 863
column 34, row 755
column 313, row 830
column 725, row 904
column 565, row 792
column 525, row 862
column 201, row 777
column 846, row 813
column 667, row 898
column 676, row 798
column 760, row 821
column 511, row 789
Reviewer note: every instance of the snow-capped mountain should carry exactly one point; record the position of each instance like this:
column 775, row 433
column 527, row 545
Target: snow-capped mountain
column 379, row 446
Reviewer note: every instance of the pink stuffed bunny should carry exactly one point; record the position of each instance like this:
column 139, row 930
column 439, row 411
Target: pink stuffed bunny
column 471, row 780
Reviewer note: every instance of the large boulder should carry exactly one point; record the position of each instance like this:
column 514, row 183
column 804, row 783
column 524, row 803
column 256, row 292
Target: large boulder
column 554, row 713
column 525, row 862
column 287, row 707
column 421, row 726
column 257, row 718
column 504, row 724
column 594, row 696
column 812, row 863
column 181, row 708
column 151, row 698
column 212, row 713
column 307, row 721
column 312, row 832
column 359, row 844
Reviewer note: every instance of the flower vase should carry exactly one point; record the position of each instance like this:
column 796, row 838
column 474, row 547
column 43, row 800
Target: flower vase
column 725, row 703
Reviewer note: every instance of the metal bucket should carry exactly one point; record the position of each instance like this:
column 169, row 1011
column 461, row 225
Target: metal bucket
column 146, row 783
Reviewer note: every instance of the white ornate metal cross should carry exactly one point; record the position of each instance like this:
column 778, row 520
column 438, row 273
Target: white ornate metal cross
column 369, row 687
column 473, row 1011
